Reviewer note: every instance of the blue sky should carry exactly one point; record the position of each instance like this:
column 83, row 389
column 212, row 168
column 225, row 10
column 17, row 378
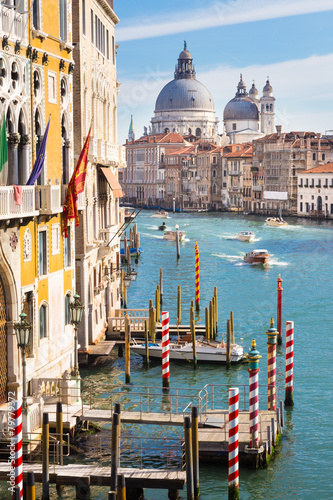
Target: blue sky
column 291, row 41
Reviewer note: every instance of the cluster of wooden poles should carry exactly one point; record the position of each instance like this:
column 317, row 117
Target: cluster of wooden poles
column 191, row 448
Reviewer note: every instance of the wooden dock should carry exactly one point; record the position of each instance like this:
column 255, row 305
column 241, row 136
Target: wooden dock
column 93, row 475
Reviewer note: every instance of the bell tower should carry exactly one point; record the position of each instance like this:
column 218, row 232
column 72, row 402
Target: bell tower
column 267, row 112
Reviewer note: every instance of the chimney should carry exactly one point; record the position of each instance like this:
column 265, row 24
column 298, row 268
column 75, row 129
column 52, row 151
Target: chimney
column 278, row 130
column 301, row 139
column 319, row 140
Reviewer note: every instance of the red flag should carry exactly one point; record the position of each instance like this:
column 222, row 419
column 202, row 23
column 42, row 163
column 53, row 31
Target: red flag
column 76, row 186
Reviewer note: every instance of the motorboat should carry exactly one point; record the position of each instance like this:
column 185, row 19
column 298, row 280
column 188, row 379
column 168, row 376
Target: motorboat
column 129, row 214
column 172, row 235
column 207, row 351
column 162, row 227
column 161, row 215
column 257, row 257
column 276, row 222
column 245, row 236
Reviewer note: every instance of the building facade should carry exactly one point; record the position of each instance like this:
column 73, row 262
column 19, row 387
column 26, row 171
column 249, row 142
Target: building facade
column 95, row 106
column 37, row 273
column 315, row 192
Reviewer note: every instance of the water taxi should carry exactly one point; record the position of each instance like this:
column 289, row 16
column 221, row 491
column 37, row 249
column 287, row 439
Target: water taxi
column 207, row 351
column 172, row 235
column 162, row 227
column 245, row 236
column 161, row 215
column 276, row 222
column 257, row 257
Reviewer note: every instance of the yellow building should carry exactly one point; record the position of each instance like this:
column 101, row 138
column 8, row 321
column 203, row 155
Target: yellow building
column 36, row 262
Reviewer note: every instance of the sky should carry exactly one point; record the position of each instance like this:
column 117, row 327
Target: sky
column 289, row 41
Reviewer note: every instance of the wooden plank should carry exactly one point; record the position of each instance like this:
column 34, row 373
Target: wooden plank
column 103, row 348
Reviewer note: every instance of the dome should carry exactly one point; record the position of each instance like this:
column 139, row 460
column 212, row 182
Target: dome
column 184, row 94
column 185, row 54
column 268, row 87
column 253, row 90
column 241, row 108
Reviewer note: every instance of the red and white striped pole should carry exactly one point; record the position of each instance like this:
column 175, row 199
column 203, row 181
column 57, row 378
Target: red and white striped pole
column 165, row 350
column 233, row 476
column 279, row 309
column 253, row 370
column 16, row 444
column 197, row 278
column 271, row 367
column 289, row 398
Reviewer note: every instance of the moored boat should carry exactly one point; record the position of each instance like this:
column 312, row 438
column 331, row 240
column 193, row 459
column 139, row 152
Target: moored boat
column 257, row 257
column 129, row 214
column 245, row 236
column 207, row 352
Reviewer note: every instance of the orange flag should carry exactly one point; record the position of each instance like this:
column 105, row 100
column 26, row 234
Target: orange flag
column 76, row 186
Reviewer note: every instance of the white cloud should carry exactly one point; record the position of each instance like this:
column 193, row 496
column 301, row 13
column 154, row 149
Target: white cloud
column 302, row 87
column 219, row 13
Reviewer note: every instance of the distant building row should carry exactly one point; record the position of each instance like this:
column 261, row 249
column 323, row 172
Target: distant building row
column 258, row 177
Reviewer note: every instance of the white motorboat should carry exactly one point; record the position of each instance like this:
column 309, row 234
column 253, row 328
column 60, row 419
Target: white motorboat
column 207, row 352
column 276, row 222
column 257, row 257
column 161, row 215
column 245, row 236
column 172, row 235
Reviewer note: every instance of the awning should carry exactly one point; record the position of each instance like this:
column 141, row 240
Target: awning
column 117, row 192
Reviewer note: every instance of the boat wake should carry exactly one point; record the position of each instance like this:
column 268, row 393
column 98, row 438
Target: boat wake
column 159, row 237
column 227, row 236
column 229, row 258
column 276, row 262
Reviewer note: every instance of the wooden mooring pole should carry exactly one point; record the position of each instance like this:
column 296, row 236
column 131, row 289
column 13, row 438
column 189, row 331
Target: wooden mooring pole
column 228, row 347
column 115, row 435
column 59, row 432
column 121, row 287
column 188, row 458
column 216, row 306
column 177, row 242
column 161, row 285
column 207, row 334
column 194, row 342
column 157, row 304
column 289, row 398
column 45, row 457
column 31, row 490
column 125, row 295
column 279, row 309
column 127, row 351
column 146, row 344
column 211, row 320
column 232, row 327
column 121, row 492
column 195, row 451
column 179, row 305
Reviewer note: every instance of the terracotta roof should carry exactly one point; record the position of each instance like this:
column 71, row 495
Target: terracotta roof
column 171, row 137
column 245, row 152
column 321, row 169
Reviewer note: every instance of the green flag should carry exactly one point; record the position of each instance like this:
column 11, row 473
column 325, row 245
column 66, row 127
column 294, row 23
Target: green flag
column 3, row 145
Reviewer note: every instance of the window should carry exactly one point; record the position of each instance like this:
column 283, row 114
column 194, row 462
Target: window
column 36, row 15
column 52, row 87
column 67, row 302
column 306, row 207
column 113, row 51
column 63, row 19
column 224, row 173
column 67, row 250
column 107, row 45
column 84, row 17
column 234, row 126
column 301, row 183
column 92, row 26
column 313, row 156
column 55, row 239
column 43, row 321
column 323, row 156
column 42, row 248
column 214, row 173
column 301, row 207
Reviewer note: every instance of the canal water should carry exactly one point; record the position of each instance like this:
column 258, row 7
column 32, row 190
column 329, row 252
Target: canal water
column 302, row 254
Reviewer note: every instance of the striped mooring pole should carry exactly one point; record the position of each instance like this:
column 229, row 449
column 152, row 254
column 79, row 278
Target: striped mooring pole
column 289, row 398
column 233, row 473
column 253, row 370
column 16, row 446
column 279, row 309
column 165, row 350
column 271, row 367
column 197, row 277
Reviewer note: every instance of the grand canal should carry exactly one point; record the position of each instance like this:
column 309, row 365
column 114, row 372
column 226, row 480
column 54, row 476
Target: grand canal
column 302, row 254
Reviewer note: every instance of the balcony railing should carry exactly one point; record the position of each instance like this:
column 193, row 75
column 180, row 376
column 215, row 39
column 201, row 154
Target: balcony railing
column 9, row 208
column 80, row 198
column 14, row 23
column 48, row 199
column 234, row 172
column 257, row 188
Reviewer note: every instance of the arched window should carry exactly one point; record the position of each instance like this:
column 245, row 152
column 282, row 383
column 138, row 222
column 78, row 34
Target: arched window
column 198, row 132
column 214, row 173
column 166, row 130
column 214, row 188
column 65, row 151
column 68, row 300
column 43, row 321
column 189, row 131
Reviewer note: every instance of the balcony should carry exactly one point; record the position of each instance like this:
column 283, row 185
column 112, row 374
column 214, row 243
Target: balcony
column 48, row 199
column 234, row 172
column 257, row 188
column 81, row 205
column 14, row 23
column 9, row 209
column 108, row 238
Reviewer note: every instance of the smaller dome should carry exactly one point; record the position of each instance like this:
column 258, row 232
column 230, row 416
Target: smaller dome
column 268, row 87
column 241, row 84
column 185, row 54
column 241, row 108
column 253, row 90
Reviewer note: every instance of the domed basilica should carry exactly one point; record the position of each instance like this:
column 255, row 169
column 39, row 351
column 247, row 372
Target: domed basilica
column 186, row 106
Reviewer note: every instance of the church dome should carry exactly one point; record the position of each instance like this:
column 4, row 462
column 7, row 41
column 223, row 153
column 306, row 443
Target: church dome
column 185, row 54
column 253, row 91
column 184, row 93
column 241, row 108
column 268, row 87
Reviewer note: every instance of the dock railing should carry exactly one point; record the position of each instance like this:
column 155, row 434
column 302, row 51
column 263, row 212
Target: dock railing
column 137, row 318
